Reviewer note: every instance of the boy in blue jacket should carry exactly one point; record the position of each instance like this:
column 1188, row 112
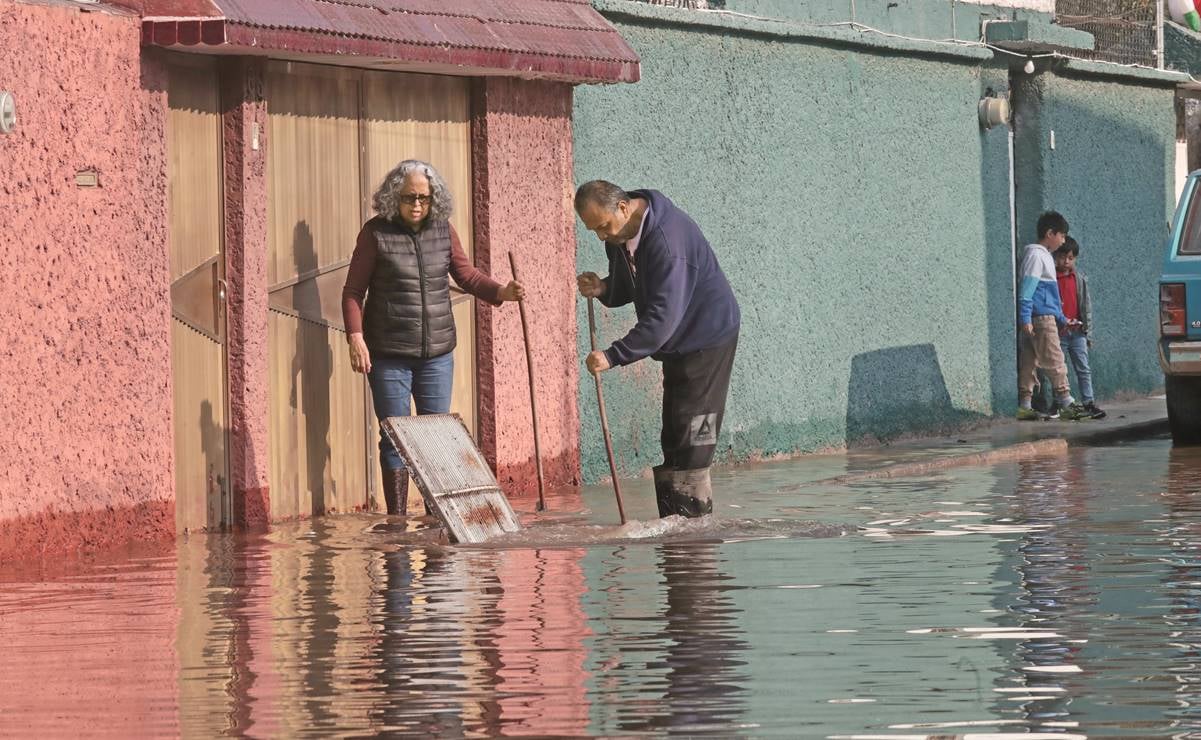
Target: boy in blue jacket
column 1040, row 315
column 688, row 319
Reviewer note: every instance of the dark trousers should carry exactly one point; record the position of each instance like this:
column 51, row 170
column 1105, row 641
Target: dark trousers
column 695, row 386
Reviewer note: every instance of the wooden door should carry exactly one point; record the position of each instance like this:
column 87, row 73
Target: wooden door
column 333, row 135
column 318, row 404
column 198, row 361
column 427, row 117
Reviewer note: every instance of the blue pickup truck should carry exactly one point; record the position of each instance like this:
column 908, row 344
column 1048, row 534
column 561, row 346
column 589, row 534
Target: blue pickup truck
column 1180, row 317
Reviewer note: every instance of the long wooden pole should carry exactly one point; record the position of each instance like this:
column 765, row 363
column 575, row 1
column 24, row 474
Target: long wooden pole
column 529, row 366
column 604, row 419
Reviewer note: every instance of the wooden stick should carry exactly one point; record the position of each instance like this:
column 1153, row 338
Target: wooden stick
column 604, row 420
column 529, row 366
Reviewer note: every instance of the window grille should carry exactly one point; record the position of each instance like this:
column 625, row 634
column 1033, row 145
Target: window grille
column 1124, row 29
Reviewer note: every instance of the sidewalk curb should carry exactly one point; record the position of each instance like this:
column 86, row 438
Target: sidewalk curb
column 1021, row 451
column 1047, row 447
column 1137, row 430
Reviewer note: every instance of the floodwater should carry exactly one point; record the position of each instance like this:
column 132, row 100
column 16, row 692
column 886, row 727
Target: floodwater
column 1057, row 597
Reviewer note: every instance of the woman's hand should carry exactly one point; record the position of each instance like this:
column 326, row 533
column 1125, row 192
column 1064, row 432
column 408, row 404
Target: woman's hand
column 360, row 357
column 514, row 291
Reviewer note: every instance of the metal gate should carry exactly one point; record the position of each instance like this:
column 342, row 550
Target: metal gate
column 333, row 133
column 198, row 358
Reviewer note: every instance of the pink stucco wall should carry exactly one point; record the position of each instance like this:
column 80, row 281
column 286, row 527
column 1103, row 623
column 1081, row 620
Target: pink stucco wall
column 523, row 189
column 85, row 385
column 245, row 207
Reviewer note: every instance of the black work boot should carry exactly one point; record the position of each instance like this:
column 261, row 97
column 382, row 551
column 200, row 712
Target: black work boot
column 396, row 490
column 691, row 493
column 663, row 489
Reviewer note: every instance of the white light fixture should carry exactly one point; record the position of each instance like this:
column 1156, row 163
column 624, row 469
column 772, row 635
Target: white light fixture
column 8, row 112
column 1029, row 68
column 993, row 111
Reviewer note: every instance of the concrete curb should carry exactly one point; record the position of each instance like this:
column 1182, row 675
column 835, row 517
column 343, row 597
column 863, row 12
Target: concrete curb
column 1137, row 430
column 1022, row 451
column 1049, row 447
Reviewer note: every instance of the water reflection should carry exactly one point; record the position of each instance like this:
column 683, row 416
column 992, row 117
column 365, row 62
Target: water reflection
column 1181, row 533
column 682, row 651
column 1068, row 601
column 704, row 671
column 1054, row 585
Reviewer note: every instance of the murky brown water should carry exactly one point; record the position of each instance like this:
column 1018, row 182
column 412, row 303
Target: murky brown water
column 1056, row 598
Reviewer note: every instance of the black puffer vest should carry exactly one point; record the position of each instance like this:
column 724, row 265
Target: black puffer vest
column 408, row 301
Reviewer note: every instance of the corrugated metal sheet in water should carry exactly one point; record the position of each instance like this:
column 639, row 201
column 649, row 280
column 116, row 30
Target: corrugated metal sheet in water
column 453, row 476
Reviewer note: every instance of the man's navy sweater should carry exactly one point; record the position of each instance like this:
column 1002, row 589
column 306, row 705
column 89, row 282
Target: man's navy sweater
column 683, row 300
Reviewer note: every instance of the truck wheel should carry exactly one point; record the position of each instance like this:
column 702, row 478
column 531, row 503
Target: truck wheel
column 1184, row 408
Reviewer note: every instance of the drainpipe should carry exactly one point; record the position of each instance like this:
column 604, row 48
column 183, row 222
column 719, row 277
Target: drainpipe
column 1013, row 230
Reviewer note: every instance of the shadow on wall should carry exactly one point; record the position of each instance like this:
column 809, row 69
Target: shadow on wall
column 212, row 442
column 897, row 390
column 312, row 369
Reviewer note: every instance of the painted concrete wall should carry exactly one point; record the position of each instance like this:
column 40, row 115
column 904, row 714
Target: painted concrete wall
column 1111, row 174
column 859, row 211
column 85, row 383
column 522, row 148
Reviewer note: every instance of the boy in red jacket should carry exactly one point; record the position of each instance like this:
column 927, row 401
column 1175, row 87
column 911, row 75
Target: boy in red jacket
column 1074, row 338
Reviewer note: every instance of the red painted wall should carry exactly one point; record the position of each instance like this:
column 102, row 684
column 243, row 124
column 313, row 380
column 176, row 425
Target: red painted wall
column 85, row 385
column 523, row 190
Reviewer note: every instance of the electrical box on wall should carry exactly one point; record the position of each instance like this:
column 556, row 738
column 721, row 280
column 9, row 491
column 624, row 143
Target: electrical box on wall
column 993, row 111
column 8, row 112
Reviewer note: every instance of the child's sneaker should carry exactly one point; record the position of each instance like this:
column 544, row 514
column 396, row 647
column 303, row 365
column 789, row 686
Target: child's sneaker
column 1025, row 414
column 1073, row 412
column 1093, row 411
column 1053, row 413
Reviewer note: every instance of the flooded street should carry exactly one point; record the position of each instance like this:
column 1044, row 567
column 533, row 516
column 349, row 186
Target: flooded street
column 1057, row 597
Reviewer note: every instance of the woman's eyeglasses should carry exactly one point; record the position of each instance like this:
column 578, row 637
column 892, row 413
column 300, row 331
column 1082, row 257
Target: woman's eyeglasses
column 413, row 199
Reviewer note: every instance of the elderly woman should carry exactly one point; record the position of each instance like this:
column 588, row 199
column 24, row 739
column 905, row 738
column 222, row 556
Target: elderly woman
column 404, row 337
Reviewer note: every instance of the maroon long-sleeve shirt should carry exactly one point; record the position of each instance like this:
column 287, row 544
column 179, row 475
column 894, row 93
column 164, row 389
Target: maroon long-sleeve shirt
column 362, row 264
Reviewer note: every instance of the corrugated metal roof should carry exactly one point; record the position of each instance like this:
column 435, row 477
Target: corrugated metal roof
column 554, row 38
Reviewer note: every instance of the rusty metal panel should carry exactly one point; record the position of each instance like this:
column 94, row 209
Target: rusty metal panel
column 452, row 476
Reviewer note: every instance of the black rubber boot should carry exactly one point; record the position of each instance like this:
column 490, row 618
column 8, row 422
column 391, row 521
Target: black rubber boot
column 396, row 490
column 691, row 493
column 663, row 489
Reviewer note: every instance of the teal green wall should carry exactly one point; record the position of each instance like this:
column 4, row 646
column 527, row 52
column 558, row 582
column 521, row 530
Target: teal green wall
column 861, row 214
column 1111, row 174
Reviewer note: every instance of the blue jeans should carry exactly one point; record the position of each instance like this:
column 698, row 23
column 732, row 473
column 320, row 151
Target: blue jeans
column 396, row 380
column 1075, row 354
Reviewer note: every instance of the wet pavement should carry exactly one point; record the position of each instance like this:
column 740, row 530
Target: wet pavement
column 1052, row 597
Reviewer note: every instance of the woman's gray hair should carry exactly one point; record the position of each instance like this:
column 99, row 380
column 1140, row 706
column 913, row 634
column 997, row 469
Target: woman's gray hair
column 386, row 200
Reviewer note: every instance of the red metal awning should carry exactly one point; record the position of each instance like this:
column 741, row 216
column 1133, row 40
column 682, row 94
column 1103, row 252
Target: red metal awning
column 564, row 40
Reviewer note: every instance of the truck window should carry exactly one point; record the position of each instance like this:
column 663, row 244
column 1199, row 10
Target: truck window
column 1190, row 236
